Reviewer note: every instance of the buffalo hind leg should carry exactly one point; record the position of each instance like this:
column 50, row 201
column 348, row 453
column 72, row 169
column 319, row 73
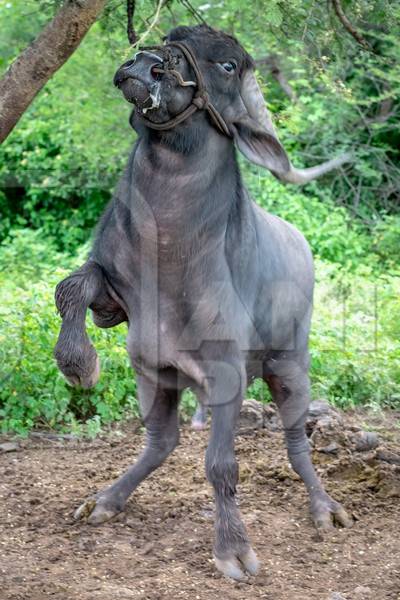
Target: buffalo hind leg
column 162, row 433
column 290, row 389
column 199, row 419
column 233, row 554
column 74, row 352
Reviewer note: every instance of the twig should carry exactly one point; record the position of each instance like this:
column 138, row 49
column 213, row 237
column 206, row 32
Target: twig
column 154, row 22
column 193, row 11
column 273, row 65
column 349, row 26
column 310, row 14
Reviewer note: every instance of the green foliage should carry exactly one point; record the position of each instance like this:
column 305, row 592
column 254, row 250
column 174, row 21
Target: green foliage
column 355, row 355
column 386, row 241
column 346, row 97
column 354, row 344
column 56, row 169
column 354, row 339
column 330, row 230
column 33, row 393
column 59, row 165
column 188, row 404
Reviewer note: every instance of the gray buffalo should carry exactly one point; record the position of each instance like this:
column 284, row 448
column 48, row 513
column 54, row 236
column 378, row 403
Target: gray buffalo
column 215, row 291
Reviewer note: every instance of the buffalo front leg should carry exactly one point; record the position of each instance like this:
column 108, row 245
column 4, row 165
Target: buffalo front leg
column 233, row 555
column 160, row 409
column 290, row 388
column 76, row 357
column 74, row 352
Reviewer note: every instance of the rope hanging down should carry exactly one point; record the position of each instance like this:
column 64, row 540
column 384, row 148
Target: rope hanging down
column 130, row 13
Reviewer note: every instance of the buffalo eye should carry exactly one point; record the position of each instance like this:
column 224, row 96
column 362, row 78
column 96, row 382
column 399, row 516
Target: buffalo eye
column 229, row 66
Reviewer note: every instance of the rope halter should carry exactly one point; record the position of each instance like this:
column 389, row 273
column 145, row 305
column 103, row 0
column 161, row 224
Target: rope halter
column 200, row 100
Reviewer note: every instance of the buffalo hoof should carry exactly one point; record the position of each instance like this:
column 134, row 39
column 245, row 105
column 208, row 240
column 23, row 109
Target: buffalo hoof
column 238, row 565
column 85, row 381
column 199, row 420
column 96, row 511
column 197, row 425
column 326, row 513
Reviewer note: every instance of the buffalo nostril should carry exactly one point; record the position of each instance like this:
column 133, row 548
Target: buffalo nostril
column 129, row 63
column 157, row 72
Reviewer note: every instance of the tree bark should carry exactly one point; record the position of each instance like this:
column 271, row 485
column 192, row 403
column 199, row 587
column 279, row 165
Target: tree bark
column 42, row 58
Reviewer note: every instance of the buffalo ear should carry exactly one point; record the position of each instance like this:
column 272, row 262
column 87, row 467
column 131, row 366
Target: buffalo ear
column 259, row 146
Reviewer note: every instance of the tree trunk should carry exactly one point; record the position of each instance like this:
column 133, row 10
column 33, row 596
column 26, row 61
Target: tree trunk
column 47, row 53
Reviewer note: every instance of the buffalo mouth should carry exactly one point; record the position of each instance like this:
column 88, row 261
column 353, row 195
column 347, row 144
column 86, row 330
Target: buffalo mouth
column 144, row 97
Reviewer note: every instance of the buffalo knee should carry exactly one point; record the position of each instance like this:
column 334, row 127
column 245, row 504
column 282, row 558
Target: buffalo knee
column 223, row 474
column 79, row 290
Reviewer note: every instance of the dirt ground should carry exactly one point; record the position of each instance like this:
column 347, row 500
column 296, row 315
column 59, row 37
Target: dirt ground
column 160, row 548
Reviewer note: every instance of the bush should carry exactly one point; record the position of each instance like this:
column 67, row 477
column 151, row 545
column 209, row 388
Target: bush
column 331, row 233
column 58, row 166
column 33, row 393
column 386, row 241
column 358, row 365
column 354, row 338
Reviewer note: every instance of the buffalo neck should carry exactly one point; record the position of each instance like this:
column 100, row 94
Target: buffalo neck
column 184, row 193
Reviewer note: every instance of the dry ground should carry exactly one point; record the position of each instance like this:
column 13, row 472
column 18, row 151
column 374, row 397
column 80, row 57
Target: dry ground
column 161, row 547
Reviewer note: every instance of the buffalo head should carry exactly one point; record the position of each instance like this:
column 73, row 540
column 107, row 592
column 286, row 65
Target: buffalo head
column 162, row 83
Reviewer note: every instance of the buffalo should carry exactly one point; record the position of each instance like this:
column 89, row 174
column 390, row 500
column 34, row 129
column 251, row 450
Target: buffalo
column 215, row 291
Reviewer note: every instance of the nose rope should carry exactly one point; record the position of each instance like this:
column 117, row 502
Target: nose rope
column 200, row 101
column 176, row 74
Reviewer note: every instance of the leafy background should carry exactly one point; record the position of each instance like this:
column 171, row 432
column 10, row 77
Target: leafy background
column 59, row 167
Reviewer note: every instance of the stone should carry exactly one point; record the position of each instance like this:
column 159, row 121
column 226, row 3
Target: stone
column 322, row 417
column 318, row 408
column 9, row 447
column 365, row 440
column 362, row 592
column 251, row 416
column 271, row 418
column 332, row 448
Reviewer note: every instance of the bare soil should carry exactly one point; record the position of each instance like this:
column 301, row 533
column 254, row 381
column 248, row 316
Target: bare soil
column 160, row 548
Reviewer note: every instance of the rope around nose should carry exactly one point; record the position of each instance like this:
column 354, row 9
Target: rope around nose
column 200, row 101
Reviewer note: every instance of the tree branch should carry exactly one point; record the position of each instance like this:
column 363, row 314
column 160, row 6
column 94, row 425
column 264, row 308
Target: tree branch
column 273, row 65
column 348, row 25
column 42, row 58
